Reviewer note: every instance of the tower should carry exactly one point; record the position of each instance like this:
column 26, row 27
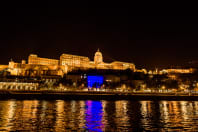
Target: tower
column 98, row 59
column 11, row 64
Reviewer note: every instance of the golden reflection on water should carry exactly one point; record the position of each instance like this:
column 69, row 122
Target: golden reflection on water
column 59, row 119
column 122, row 117
column 8, row 110
column 147, row 112
column 79, row 115
column 69, row 115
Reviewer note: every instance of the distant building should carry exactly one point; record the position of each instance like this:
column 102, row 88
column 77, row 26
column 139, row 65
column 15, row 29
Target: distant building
column 116, row 65
column 190, row 70
column 23, row 69
column 38, row 66
column 2, row 67
column 74, row 61
column 34, row 59
column 82, row 62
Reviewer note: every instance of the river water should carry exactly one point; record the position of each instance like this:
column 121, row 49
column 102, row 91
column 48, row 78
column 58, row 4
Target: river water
column 89, row 115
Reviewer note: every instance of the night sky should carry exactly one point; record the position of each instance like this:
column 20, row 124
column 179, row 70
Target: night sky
column 148, row 41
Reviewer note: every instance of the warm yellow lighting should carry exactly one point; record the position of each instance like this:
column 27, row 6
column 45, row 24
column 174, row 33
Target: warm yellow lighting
column 43, row 66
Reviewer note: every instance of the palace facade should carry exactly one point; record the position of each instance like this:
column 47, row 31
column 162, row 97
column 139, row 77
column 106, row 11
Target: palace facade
column 38, row 66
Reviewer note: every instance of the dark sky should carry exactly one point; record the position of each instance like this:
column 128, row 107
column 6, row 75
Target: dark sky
column 148, row 41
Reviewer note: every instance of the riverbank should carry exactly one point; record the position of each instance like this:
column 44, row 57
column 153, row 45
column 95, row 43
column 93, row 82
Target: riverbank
column 93, row 95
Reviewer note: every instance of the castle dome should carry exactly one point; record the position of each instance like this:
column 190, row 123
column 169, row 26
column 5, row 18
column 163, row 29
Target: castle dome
column 98, row 53
column 98, row 59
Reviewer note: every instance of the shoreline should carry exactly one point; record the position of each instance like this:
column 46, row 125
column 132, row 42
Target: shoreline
column 94, row 95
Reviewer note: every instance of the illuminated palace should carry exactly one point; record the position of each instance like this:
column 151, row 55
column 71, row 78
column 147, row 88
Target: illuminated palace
column 37, row 66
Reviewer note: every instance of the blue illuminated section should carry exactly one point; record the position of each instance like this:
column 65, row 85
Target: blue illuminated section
column 95, row 81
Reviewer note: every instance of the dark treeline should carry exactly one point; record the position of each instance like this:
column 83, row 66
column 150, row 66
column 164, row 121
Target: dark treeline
column 112, row 79
column 135, row 80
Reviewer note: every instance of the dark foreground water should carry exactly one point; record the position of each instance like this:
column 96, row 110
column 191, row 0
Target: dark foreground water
column 121, row 116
